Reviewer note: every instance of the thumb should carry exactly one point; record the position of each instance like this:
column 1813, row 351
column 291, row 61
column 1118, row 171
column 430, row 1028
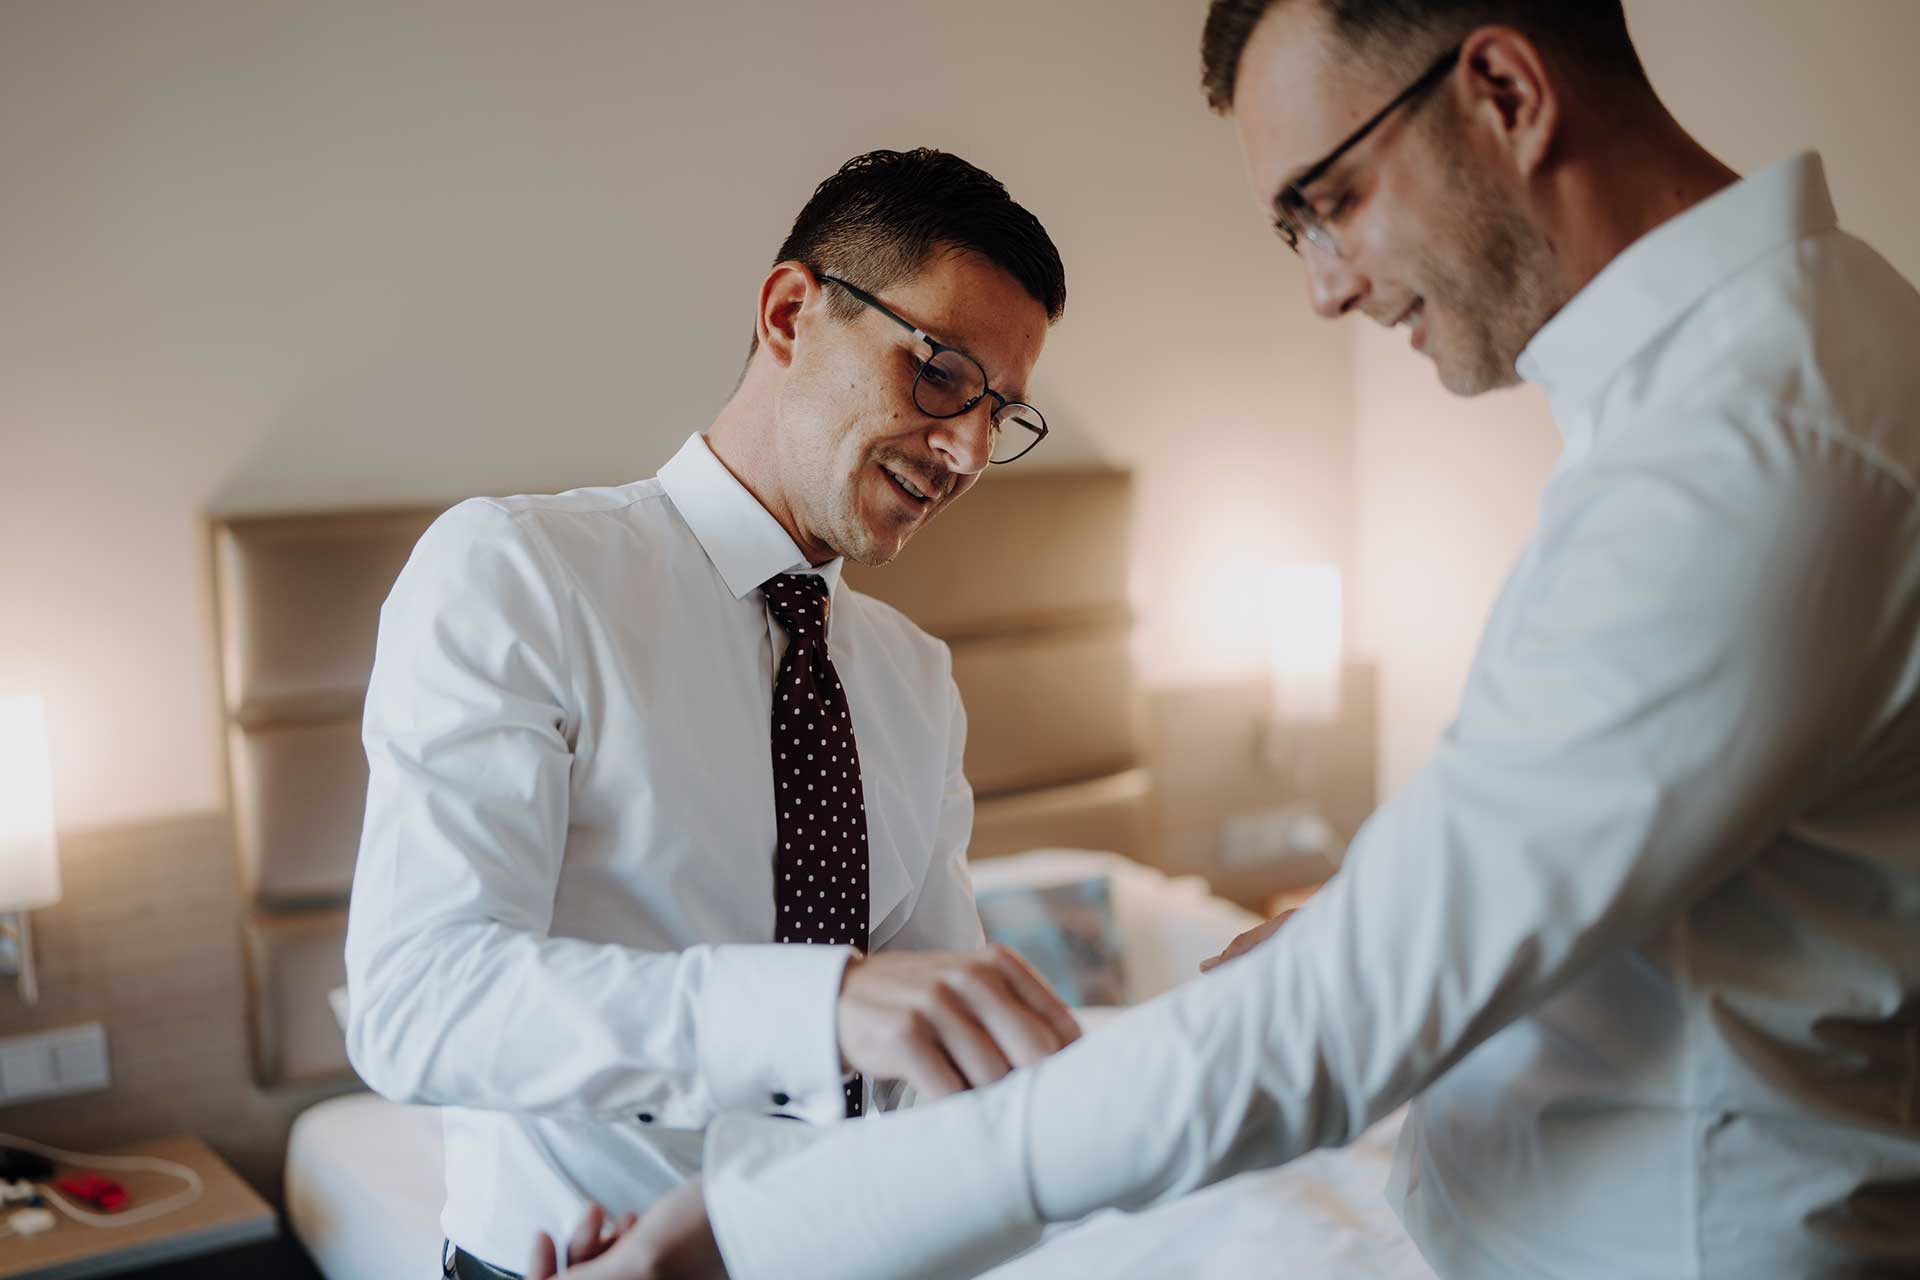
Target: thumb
column 544, row 1262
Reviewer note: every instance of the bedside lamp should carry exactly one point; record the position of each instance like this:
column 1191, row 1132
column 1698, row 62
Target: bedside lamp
column 1304, row 621
column 1304, row 625
column 29, row 862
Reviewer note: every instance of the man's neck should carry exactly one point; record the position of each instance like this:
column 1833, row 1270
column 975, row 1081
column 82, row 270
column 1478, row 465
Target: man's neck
column 741, row 437
column 1625, row 182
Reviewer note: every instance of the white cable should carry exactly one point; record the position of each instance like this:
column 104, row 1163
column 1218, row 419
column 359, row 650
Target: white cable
column 140, row 1164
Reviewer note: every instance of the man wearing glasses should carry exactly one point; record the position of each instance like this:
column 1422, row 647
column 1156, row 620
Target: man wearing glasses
column 665, row 821
column 1642, row 941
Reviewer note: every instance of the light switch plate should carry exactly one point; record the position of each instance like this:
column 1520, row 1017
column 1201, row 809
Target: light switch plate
column 26, row 1070
column 50, row 1064
column 80, row 1058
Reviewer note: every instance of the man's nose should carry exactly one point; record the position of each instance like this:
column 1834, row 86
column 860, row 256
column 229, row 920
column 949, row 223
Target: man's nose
column 965, row 443
column 1334, row 285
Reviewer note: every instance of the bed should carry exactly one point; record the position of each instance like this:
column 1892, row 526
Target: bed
column 1025, row 581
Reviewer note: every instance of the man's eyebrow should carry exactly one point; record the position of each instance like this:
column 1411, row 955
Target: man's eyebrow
column 1313, row 172
column 1020, row 395
column 1286, row 185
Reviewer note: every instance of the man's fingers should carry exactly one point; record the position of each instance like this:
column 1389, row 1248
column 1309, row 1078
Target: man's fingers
column 975, row 1050
column 545, row 1261
column 1036, row 994
column 1021, row 1033
column 586, row 1243
column 926, row 1065
column 1246, row 942
column 946, row 1023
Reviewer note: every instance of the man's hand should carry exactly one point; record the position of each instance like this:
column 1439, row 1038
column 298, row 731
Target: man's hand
column 673, row 1242
column 948, row 1021
column 1247, row 942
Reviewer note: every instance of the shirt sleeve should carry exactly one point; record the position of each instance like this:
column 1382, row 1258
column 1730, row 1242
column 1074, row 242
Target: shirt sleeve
column 1698, row 643
column 459, row 993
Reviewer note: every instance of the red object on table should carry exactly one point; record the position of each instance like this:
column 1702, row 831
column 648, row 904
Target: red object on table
column 102, row 1193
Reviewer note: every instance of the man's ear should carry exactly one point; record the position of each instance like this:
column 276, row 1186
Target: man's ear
column 1511, row 89
column 784, row 294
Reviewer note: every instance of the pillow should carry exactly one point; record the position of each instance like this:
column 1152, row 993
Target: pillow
column 1065, row 931
column 1167, row 924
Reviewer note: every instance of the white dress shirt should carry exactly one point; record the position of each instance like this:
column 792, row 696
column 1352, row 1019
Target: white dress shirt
column 563, row 909
column 1645, row 930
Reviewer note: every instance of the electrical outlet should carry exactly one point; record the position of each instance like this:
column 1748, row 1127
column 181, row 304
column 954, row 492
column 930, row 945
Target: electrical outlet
column 50, row 1064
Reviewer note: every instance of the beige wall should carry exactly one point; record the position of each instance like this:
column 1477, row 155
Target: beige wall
column 1445, row 488
column 261, row 256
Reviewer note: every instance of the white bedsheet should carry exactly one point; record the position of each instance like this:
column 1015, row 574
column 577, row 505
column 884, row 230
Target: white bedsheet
column 364, row 1188
column 1321, row 1218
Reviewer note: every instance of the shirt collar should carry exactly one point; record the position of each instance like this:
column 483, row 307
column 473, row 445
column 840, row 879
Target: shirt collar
column 742, row 539
column 1660, row 276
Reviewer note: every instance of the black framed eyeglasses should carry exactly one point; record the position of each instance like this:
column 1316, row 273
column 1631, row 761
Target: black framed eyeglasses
column 1293, row 217
column 951, row 382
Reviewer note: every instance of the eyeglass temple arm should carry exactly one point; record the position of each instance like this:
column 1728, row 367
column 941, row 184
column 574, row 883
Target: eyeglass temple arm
column 882, row 308
column 1433, row 73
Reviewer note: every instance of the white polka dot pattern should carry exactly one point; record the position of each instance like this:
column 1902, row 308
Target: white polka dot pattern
column 820, row 867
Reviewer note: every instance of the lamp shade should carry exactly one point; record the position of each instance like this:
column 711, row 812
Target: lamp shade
column 29, row 861
column 1305, row 627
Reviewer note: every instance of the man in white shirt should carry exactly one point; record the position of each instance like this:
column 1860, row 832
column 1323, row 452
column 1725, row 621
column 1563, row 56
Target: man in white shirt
column 596, row 841
column 1641, row 943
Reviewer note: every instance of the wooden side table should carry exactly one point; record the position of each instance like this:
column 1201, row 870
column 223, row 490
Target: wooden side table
column 227, row 1214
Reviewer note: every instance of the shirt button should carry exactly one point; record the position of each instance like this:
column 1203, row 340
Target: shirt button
column 645, row 1117
column 781, row 1099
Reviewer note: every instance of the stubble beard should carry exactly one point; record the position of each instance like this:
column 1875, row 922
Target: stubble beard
column 1494, row 284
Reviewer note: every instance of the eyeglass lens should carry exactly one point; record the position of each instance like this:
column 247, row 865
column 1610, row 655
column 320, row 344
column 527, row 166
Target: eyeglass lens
column 950, row 383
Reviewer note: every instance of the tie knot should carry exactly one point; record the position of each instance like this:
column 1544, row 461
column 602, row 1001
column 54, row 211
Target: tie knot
column 799, row 601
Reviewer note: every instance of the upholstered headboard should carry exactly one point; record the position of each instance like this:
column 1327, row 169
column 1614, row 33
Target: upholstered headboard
column 1026, row 579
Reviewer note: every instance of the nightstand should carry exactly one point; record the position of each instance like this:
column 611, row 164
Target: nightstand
column 226, row 1216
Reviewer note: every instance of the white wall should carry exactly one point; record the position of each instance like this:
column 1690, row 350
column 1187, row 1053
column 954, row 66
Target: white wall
column 300, row 255
column 297, row 255
column 1445, row 488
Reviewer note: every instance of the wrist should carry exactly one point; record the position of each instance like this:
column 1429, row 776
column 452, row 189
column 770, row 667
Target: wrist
column 854, row 961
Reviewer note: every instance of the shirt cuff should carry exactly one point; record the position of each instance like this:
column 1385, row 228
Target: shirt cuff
column 769, row 1038
column 939, row 1192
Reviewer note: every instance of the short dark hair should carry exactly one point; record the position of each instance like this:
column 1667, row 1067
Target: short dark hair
column 880, row 216
column 1589, row 36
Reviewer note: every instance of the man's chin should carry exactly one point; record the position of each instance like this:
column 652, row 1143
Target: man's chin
column 1468, row 378
column 869, row 546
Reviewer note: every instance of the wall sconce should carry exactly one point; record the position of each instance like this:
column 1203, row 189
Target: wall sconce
column 1305, row 628
column 1304, row 622
column 29, row 856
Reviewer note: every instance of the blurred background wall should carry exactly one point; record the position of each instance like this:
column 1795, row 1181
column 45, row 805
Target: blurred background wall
column 303, row 255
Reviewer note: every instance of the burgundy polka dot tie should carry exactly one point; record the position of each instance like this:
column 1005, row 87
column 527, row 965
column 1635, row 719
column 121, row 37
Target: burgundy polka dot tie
column 820, row 868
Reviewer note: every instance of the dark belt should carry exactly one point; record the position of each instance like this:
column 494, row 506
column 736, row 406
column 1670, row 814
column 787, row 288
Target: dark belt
column 464, row 1266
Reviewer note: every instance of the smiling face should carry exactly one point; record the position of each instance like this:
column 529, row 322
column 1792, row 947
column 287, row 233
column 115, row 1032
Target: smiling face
column 1426, row 210
column 862, row 466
